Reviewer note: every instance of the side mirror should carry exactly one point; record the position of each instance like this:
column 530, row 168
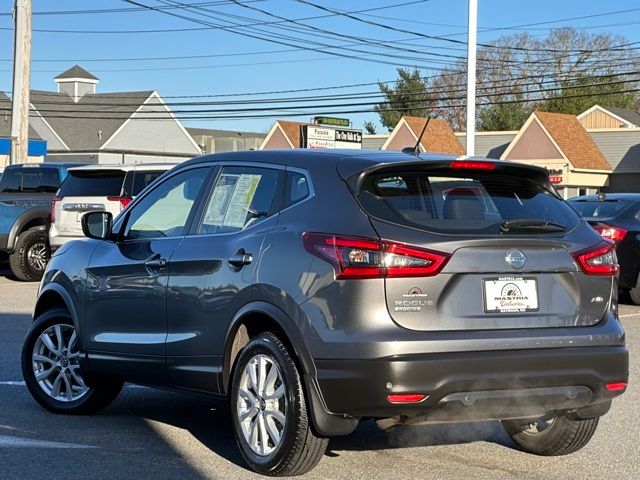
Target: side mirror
column 97, row 225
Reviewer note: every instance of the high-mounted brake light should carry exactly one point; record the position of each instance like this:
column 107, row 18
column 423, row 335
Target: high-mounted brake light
column 124, row 201
column 359, row 258
column 406, row 397
column 52, row 214
column 615, row 234
column 600, row 259
column 616, row 386
column 472, row 165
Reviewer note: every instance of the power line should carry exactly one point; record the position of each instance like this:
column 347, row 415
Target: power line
column 322, row 112
column 335, row 105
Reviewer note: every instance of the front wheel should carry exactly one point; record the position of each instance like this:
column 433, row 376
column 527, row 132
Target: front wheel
column 551, row 435
column 269, row 411
column 52, row 371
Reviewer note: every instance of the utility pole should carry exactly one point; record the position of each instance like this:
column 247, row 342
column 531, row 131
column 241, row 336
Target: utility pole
column 21, row 80
column 472, row 38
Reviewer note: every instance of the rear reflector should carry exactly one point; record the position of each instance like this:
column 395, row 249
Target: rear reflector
column 406, row 397
column 472, row 165
column 358, row 258
column 600, row 259
column 615, row 234
column 616, row 387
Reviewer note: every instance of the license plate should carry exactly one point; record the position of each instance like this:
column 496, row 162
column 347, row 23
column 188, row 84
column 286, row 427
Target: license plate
column 510, row 295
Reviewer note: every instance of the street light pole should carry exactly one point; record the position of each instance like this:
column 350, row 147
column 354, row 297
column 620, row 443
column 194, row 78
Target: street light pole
column 471, row 77
column 21, row 80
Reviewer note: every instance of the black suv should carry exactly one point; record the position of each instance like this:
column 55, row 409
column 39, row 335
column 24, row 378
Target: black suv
column 316, row 289
column 26, row 191
column 616, row 216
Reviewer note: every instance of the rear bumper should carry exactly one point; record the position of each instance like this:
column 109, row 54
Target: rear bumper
column 56, row 240
column 474, row 385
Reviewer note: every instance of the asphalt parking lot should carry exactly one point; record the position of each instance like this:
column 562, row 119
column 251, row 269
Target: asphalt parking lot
column 152, row 434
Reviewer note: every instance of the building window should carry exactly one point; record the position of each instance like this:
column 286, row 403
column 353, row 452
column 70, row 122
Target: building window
column 583, row 191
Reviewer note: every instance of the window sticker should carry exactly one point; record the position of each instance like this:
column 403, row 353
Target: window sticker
column 231, row 199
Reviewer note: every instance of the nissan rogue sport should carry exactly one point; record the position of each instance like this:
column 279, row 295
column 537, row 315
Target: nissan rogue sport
column 317, row 289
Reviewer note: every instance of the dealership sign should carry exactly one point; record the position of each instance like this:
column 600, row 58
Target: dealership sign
column 555, row 175
column 327, row 137
column 333, row 121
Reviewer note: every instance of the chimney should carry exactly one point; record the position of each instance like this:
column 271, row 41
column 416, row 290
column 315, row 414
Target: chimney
column 76, row 82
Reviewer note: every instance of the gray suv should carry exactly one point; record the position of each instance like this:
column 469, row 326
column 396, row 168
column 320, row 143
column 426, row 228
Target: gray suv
column 318, row 289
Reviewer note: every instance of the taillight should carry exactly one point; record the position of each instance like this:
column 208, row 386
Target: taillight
column 358, row 258
column 598, row 260
column 52, row 214
column 615, row 234
column 124, row 201
column 472, row 165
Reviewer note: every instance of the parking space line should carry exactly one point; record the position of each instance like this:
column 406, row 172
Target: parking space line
column 626, row 315
column 14, row 383
column 20, row 442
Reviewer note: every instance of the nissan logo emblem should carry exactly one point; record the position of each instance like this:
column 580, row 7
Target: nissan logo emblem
column 516, row 258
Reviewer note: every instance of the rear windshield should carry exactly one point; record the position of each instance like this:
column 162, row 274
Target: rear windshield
column 465, row 203
column 137, row 181
column 93, row 183
column 30, row 179
column 600, row 208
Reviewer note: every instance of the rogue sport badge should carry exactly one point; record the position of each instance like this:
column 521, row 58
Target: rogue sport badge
column 516, row 259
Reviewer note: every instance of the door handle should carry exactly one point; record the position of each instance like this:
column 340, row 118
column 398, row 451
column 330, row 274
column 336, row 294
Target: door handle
column 155, row 263
column 240, row 259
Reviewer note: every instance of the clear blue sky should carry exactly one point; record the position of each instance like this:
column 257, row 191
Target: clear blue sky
column 263, row 71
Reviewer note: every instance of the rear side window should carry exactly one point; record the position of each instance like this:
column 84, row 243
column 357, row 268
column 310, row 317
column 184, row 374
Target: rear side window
column 138, row 180
column 240, row 197
column 600, row 209
column 90, row 183
column 30, row 179
column 297, row 188
column 461, row 202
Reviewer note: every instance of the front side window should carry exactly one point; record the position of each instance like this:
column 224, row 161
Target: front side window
column 240, row 197
column 165, row 210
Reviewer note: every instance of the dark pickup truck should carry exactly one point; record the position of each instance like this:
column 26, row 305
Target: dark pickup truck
column 26, row 191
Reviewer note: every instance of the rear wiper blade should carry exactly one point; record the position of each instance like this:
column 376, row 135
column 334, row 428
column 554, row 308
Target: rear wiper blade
column 541, row 225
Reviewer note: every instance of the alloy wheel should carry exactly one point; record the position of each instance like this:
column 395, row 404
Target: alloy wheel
column 38, row 256
column 538, row 427
column 262, row 405
column 56, row 366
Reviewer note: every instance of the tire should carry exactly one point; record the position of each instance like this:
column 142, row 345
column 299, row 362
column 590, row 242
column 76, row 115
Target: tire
column 83, row 398
column 298, row 448
column 562, row 437
column 634, row 293
column 31, row 255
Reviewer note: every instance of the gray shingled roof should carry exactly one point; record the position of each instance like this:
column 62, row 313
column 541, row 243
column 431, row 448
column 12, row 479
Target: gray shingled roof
column 89, row 123
column 215, row 133
column 5, row 119
column 76, row 72
column 631, row 116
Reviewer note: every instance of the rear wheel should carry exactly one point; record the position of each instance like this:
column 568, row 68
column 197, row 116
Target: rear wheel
column 52, row 371
column 269, row 411
column 31, row 255
column 551, row 435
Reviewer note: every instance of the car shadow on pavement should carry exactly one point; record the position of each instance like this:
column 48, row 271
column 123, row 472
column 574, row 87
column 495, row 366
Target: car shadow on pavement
column 209, row 423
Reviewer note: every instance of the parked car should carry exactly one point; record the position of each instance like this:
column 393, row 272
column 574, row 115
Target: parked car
column 316, row 289
column 616, row 216
column 96, row 187
column 26, row 191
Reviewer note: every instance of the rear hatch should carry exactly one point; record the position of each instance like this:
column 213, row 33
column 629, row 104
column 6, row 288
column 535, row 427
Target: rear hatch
column 84, row 191
column 507, row 242
column 87, row 190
